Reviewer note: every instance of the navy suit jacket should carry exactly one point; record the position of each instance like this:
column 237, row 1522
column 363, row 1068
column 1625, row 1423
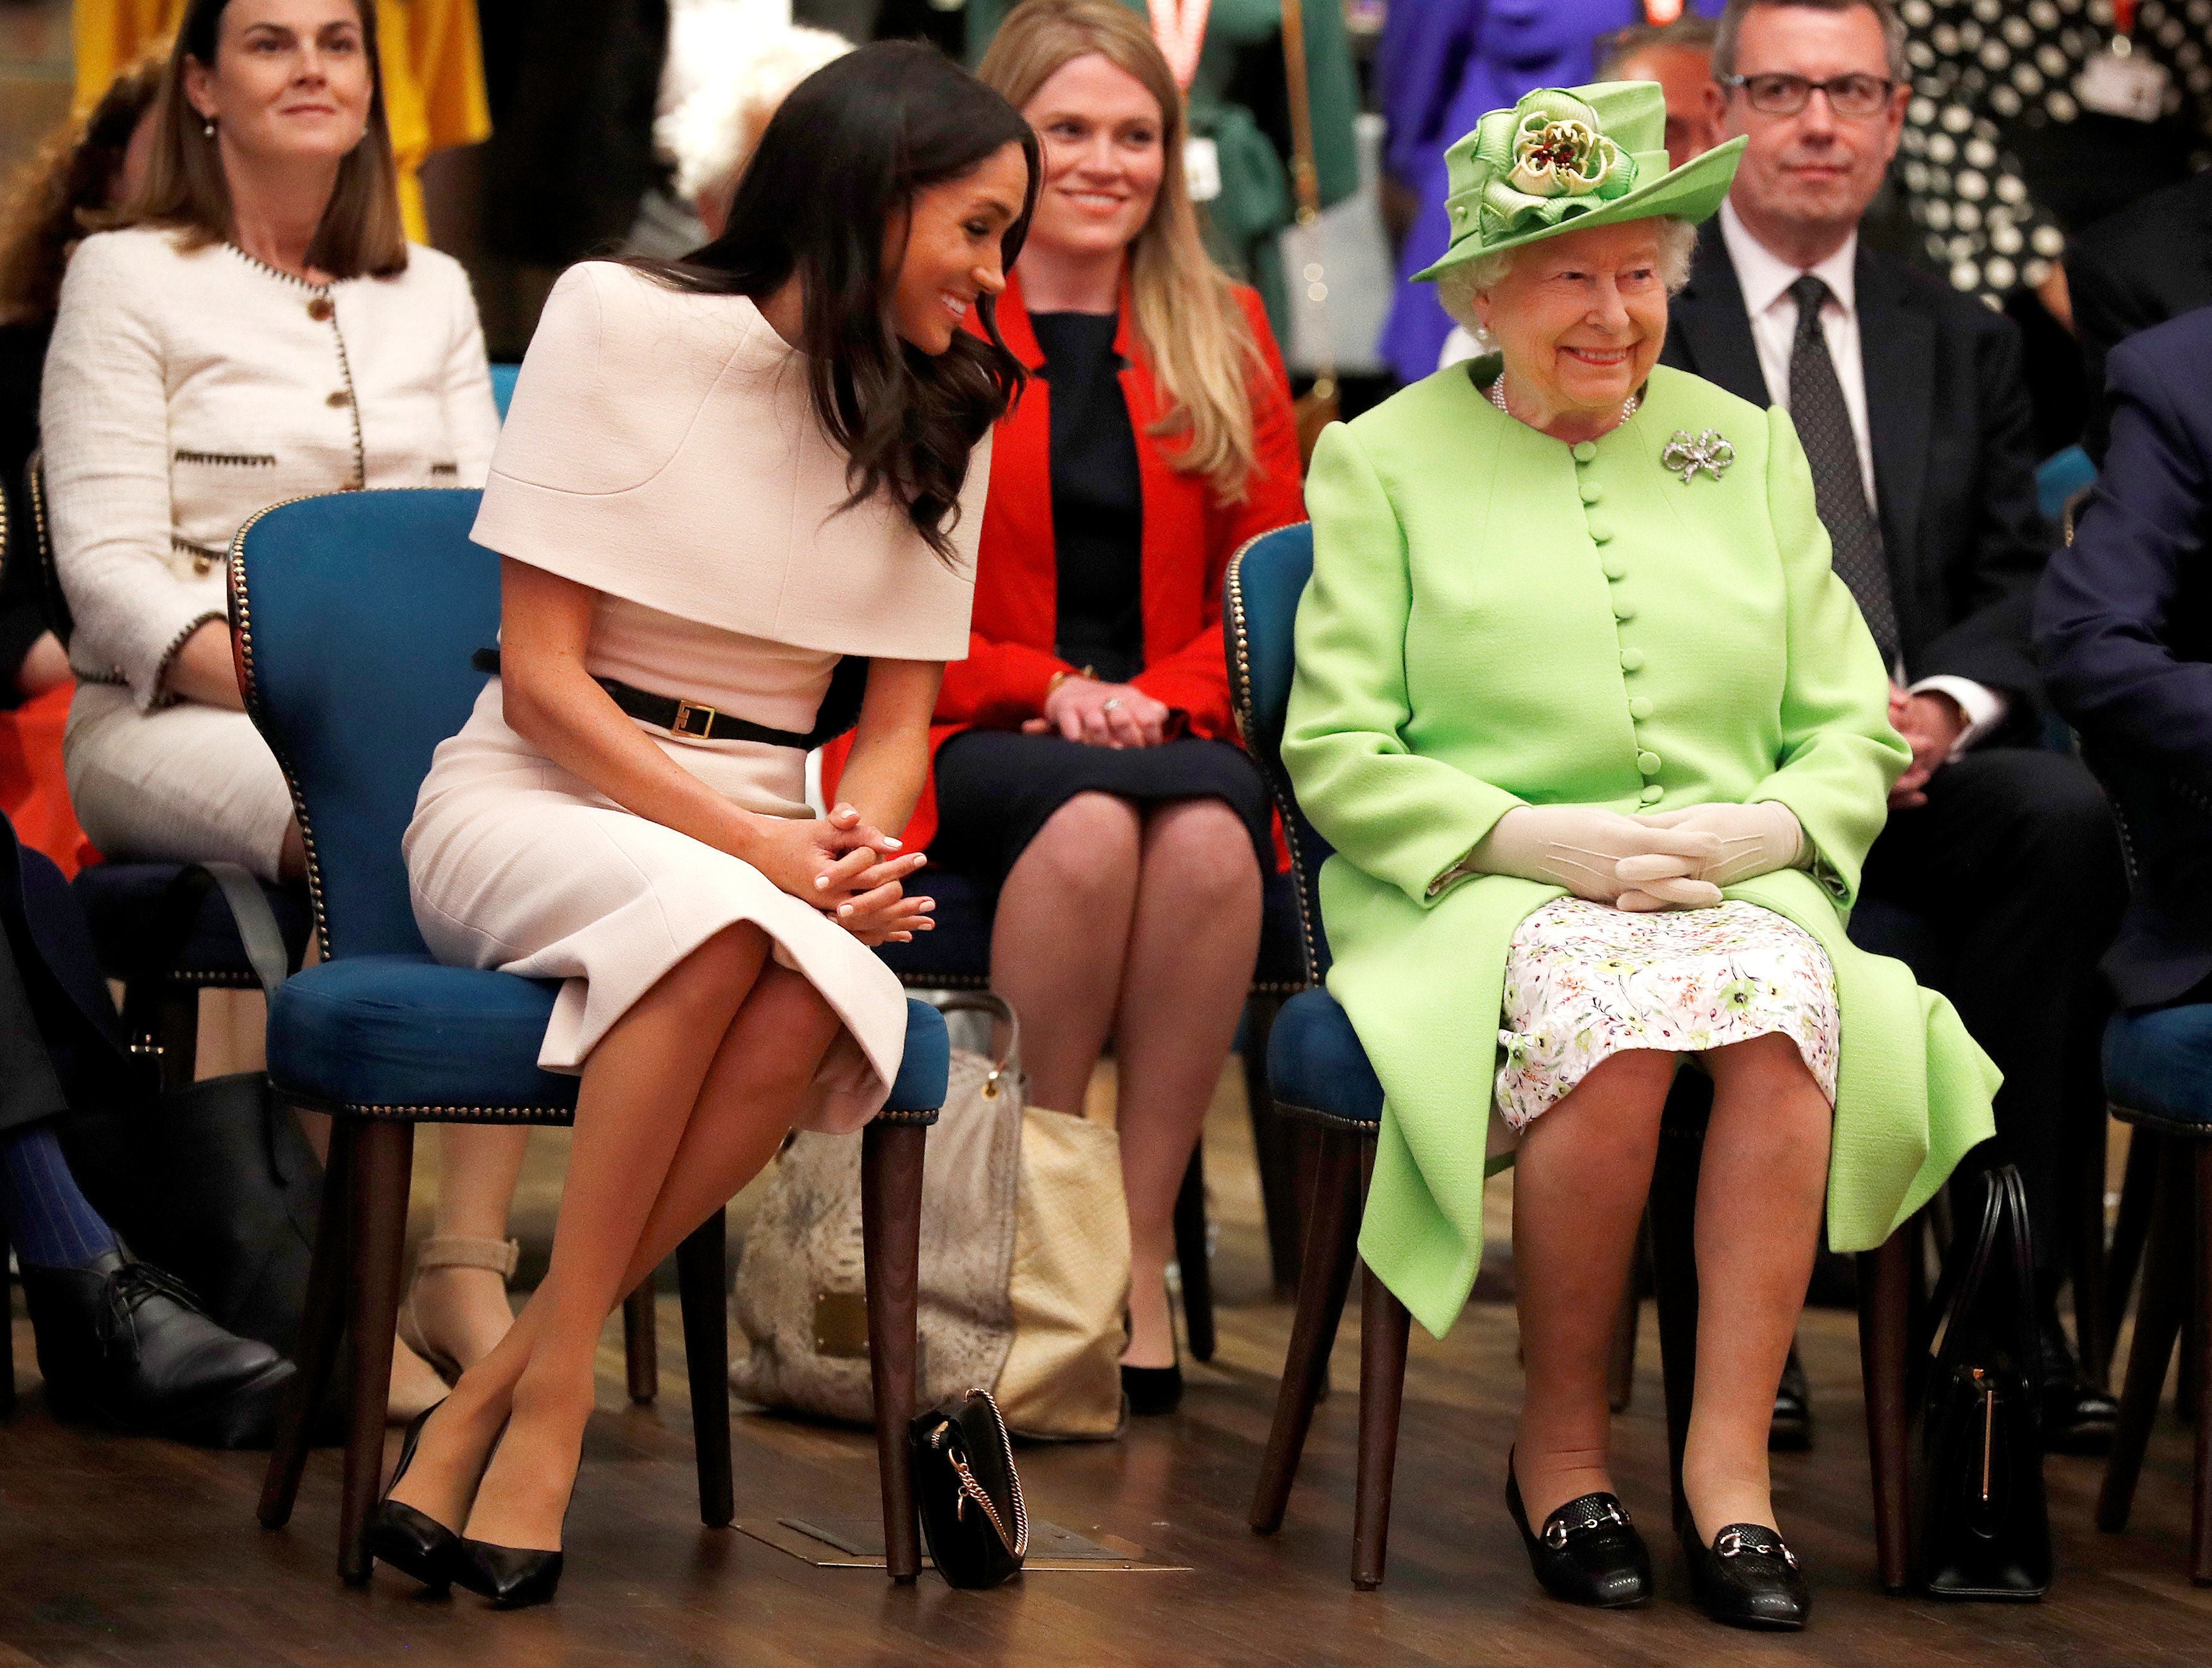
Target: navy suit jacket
column 2124, row 618
column 1953, row 458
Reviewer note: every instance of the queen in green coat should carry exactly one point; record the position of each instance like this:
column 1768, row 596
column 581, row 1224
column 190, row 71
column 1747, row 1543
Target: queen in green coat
column 1602, row 742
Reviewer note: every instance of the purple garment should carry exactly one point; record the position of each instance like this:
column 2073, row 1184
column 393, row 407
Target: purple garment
column 1442, row 64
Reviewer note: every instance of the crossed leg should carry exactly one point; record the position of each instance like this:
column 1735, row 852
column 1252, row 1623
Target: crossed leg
column 686, row 1097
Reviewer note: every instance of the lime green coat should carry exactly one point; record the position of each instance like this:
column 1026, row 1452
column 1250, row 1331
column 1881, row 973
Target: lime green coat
column 1495, row 619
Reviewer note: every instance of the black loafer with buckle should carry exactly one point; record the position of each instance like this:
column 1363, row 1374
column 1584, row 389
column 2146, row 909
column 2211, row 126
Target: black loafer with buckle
column 1748, row 1578
column 1588, row 1552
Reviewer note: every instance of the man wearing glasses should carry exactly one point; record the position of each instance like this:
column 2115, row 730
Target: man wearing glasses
column 1998, row 877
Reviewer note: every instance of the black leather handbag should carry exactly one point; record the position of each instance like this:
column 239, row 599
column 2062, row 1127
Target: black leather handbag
column 1983, row 1525
column 970, row 1498
column 215, row 1182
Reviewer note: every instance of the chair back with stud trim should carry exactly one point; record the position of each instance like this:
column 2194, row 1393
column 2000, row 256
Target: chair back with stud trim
column 356, row 615
column 1259, row 614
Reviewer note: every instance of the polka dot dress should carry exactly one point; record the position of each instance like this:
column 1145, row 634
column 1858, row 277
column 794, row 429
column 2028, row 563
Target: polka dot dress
column 1982, row 69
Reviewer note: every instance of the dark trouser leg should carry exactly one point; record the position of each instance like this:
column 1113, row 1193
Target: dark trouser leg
column 2015, row 862
column 43, row 1213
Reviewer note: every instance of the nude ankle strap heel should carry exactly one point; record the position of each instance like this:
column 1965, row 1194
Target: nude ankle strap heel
column 500, row 1257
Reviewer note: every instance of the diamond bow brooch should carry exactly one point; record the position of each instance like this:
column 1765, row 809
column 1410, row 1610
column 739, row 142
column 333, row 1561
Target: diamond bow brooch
column 1708, row 452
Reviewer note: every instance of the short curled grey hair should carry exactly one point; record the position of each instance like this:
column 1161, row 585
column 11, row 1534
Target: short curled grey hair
column 1458, row 286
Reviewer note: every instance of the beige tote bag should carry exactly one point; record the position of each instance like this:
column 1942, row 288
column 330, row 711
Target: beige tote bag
column 1025, row 1262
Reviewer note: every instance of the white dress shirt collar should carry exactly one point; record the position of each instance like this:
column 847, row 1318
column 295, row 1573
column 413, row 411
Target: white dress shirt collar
column 1766, row 277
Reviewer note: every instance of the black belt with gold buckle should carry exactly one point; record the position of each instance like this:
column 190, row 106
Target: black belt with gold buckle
column 696, row 721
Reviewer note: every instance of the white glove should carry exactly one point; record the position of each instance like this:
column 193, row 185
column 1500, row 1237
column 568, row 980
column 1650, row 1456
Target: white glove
column 1584, row 849
column 1753, row 839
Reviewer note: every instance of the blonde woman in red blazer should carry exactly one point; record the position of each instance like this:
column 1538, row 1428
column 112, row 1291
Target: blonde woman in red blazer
column 1086, row 761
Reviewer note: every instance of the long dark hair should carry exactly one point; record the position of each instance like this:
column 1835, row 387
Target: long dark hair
column 850, row 149
column 73, row 177
column 361, row 232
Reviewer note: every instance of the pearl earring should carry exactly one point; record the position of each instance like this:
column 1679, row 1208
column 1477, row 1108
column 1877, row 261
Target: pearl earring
column 207, row 127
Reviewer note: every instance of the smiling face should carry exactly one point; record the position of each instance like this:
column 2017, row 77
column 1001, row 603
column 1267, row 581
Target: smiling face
column 1811, row 174
column 291, row 80
column 948, row 250
column 1104, row 139
column 1580, row 318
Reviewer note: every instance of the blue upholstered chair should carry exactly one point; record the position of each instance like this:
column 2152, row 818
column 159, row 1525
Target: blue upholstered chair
column 2158, row 1078
column 356, row 614
column 1321, row 1076
column 158, row 935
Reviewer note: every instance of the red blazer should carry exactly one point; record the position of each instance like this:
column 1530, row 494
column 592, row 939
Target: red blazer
column 1188, row 537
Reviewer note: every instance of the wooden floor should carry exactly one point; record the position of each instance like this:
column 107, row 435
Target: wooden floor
column 115, row 1552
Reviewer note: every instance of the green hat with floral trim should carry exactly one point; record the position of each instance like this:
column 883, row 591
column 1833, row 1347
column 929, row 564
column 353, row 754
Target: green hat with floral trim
column 1563, row 158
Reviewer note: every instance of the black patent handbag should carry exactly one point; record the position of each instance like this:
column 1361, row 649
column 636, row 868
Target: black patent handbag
column 1984, row 1525
column 970, row 1498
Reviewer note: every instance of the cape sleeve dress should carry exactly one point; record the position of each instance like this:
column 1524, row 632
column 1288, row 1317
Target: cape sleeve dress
column 1498, row 619
column 662, row 450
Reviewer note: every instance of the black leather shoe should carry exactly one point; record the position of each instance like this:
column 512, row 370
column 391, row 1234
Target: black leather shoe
column 123, row 1344
column 1152, row 1390
column 413, row 1541
column 1747, row 1577
column 513, row 1577
column 2077, row 1416
column 1589, row 1554
column 1792, row 1429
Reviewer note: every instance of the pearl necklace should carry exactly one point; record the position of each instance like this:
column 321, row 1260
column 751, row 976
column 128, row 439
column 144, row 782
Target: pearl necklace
column 1498, row 399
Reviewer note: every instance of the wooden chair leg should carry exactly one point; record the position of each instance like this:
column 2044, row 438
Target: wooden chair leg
column 1671, row 1217
column 1885, row 1338
column 1276, row 1144
column 7, row 1337
column 2200, row 1517
column 1621, row 1364
column 2158, row 1318
column 322, row 1328
column 1191, row 1257
column 890, row 1236
column 383, row 1158
column 642, row 1344
column 2138, row 1184
column 2090, row 1328
column 1331, row 1242
column 702, row 1270
column 1383, row 1326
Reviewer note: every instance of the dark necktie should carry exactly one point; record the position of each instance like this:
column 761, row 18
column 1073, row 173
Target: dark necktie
column 1824, row 425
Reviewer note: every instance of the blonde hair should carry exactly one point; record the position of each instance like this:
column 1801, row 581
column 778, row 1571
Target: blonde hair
column 1197, row 342
column 1458, row 286
column 186, row 187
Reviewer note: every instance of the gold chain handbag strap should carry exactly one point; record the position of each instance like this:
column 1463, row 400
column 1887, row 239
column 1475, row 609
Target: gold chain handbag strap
column 1017, row 1543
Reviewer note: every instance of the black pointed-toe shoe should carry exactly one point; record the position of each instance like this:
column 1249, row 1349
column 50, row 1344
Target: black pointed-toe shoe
column 1792, row 1429
column 412, row 1541
column 125, row 1344
column 1588, row 1552
column 1748, row 1578
column 1152, row 1390
column 513, row 1577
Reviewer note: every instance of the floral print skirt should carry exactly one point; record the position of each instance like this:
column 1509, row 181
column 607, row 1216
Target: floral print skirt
column 1584, row 980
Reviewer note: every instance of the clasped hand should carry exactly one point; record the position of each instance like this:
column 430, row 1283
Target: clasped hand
column 852, row 872
column 1672, row 859
column 1082, row 709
